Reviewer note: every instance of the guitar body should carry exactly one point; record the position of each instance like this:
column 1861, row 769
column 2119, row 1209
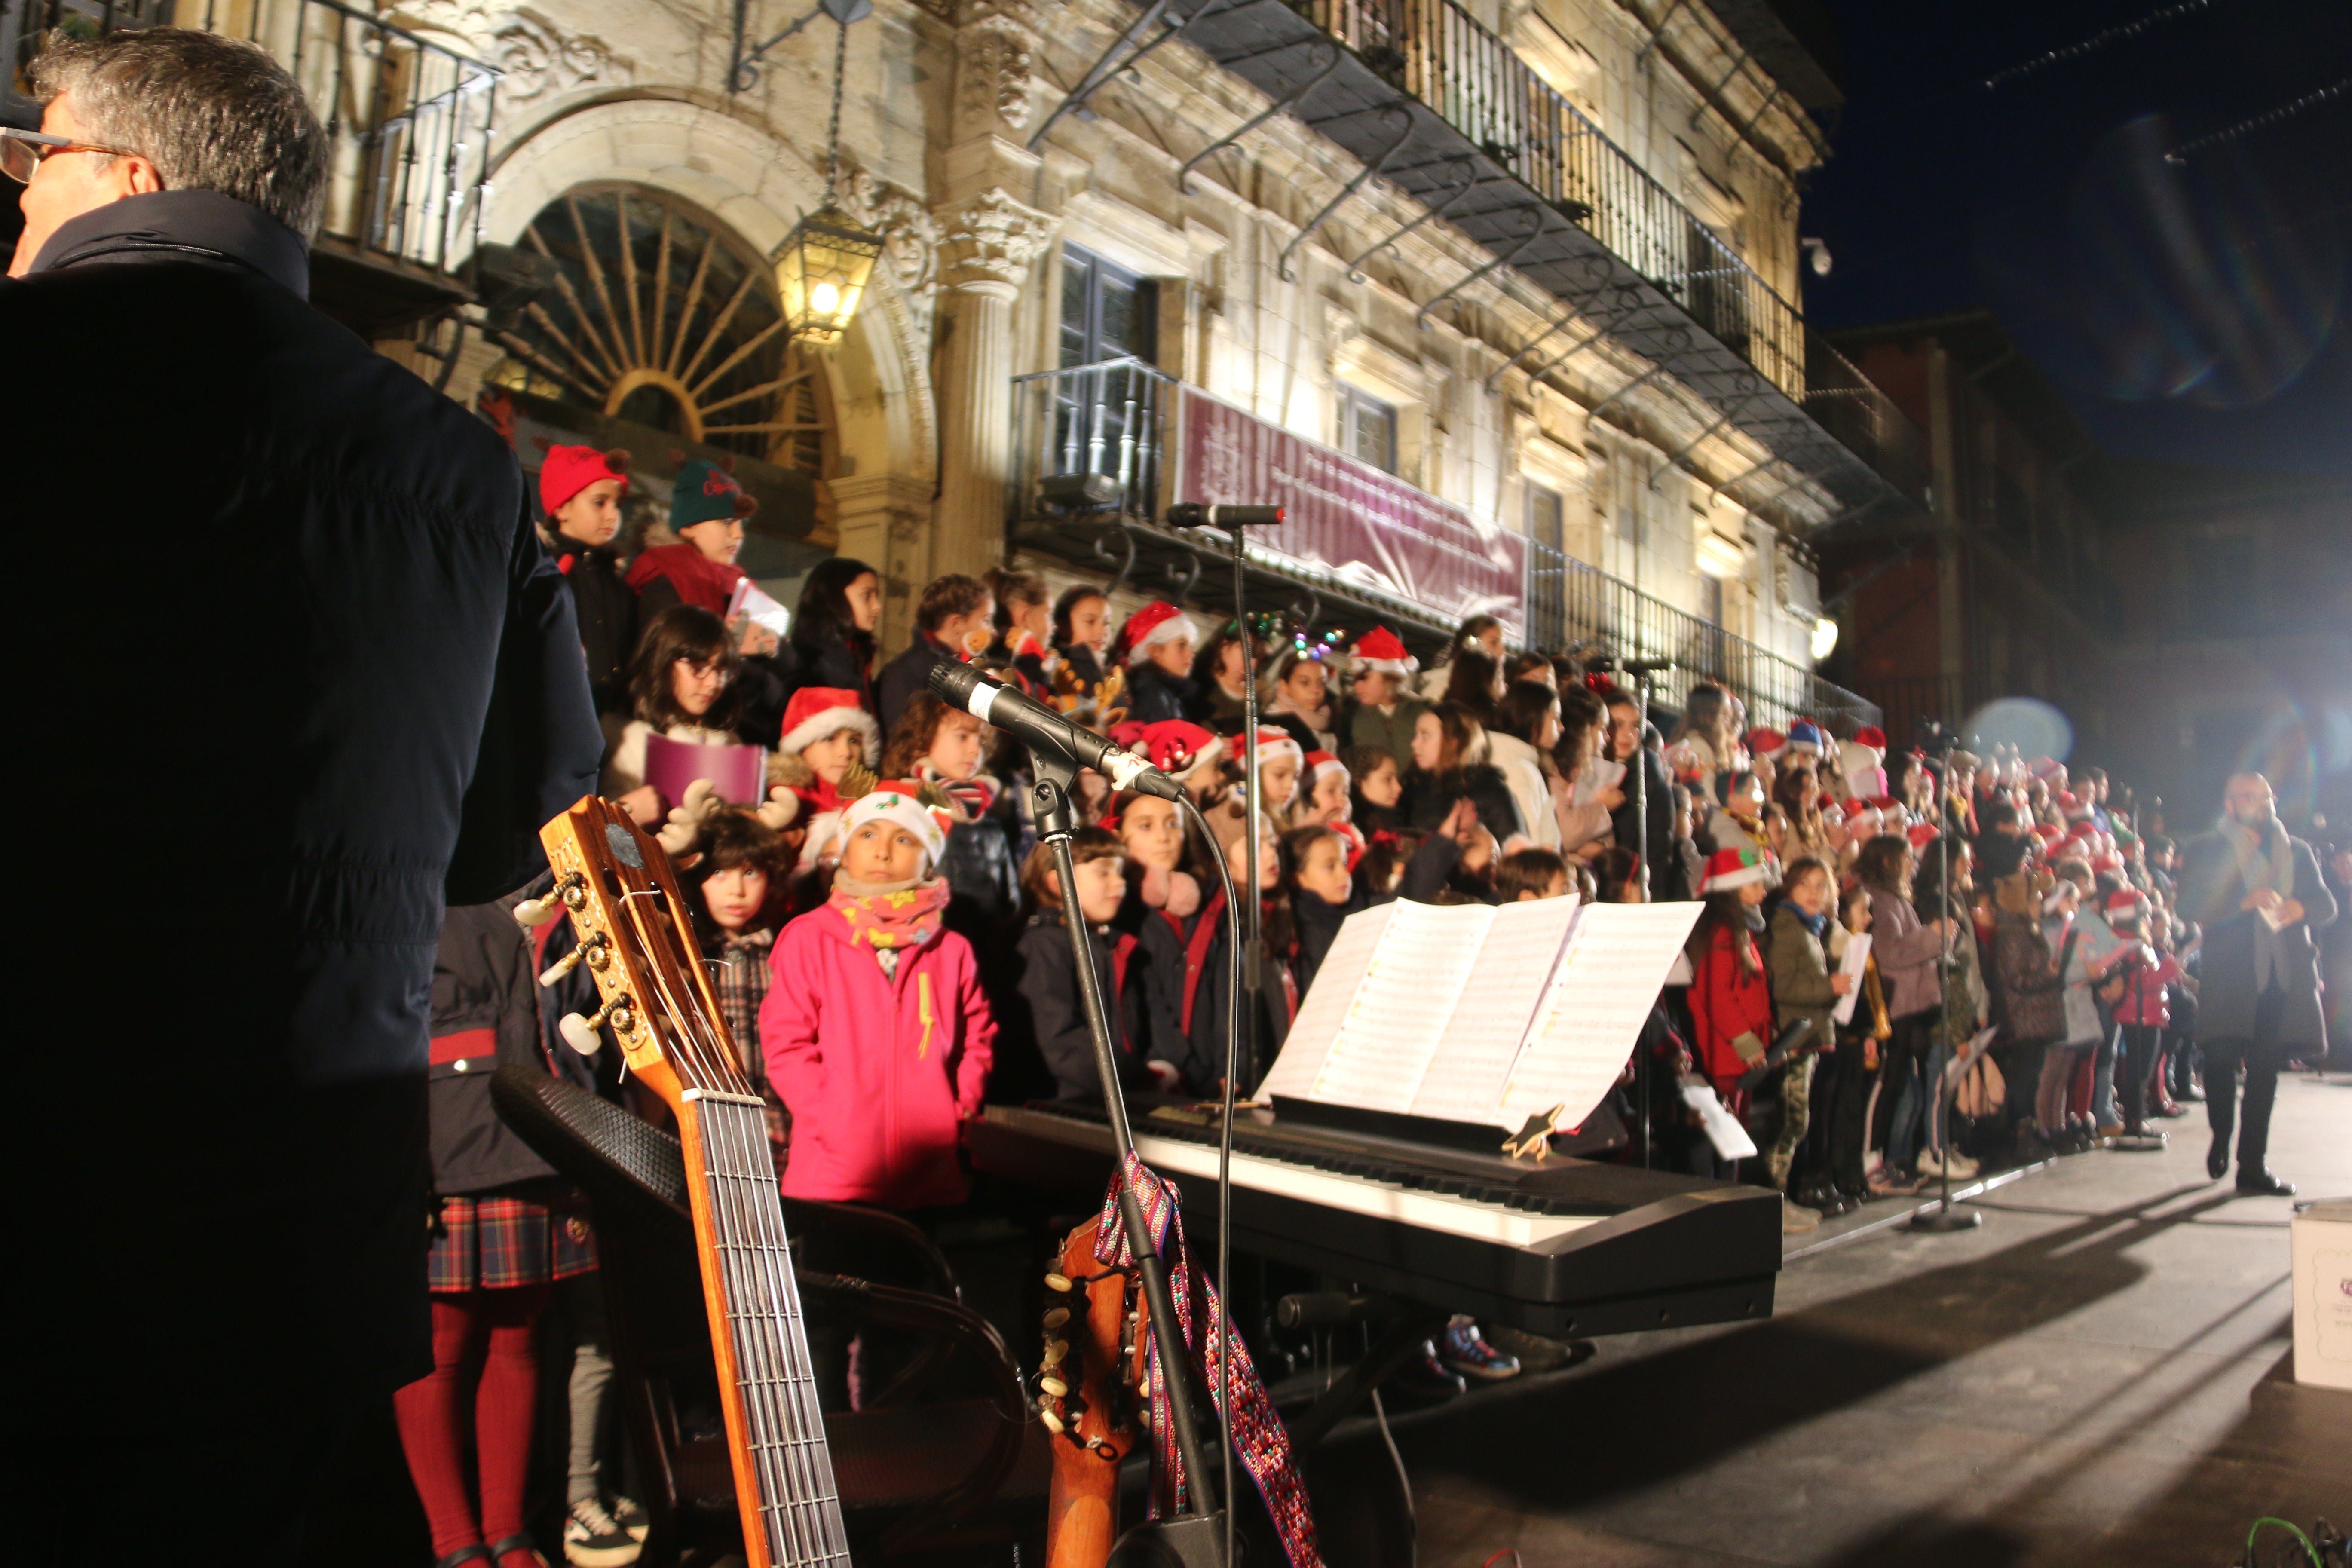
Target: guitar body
column 637, row 941
column 1096, row 1356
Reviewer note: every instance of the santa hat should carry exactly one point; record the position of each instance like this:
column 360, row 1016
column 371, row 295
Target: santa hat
column 1353, row 836
column 1381, row 651
column 1804, row 736
column 2106, row 863
column 1729, row 868
column 817, row 711
column 1921, row 835
column 1871, row 736
column 1315, row 765
column 2124, row 904
column 1174, row 746
column 1156, row 623
column 2076, row 808
column 2042, row 767
column 1765, row 742
column 1271, row 743
column 571, row 470
column 2049, row 833
column 896, row 803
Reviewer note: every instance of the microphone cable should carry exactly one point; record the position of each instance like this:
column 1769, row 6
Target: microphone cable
column 1224, row 1392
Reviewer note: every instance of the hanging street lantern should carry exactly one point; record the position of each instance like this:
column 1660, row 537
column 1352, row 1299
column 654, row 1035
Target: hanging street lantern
column 822, row 270
column 824, row 264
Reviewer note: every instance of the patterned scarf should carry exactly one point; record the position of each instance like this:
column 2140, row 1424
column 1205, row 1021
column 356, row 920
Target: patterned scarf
column 972, row 796
column 1260, row 1442
column 889, row 917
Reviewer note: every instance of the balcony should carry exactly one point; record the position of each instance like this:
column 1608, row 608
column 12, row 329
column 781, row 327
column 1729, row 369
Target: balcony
column 409, row 122
column 1101, row 451
column 1445, row 111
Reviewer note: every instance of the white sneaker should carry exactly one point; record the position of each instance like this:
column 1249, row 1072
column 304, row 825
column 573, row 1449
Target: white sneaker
column 1796, row 1219
column 593, row 1538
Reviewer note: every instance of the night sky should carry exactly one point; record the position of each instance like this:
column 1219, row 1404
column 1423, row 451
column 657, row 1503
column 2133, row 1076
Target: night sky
column 2194, row 311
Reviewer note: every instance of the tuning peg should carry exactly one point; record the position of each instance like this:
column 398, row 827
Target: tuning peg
column 579, row 1033
column 592, row 950
column 533, row 913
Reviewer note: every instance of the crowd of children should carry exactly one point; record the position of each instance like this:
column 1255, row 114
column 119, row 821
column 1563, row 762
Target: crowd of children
column 890, row 941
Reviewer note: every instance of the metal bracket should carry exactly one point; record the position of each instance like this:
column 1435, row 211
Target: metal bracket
column 1282, row 263
column 1102, row 70
column 1288, row 102
column 1632, row 386
column 1656, row 33
column 1126, row 565
column 1607, row 325
column 1184, row 575
column 1719, row 491
column 1575, row 308
column 1689, row 446
column 1543, row 218
column 1470, row 166
column 744, row 73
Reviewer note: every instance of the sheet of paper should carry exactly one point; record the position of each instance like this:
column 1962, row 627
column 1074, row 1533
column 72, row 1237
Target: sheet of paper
column 1955, row 1066
column 1326, row 1003
column 1464, row 1080
column 1599, row 999
column 1857, row 952
column 1722, row 1130
column 1595, row 776
column 737, row 773
column 1399, row 1013
column 765, row 611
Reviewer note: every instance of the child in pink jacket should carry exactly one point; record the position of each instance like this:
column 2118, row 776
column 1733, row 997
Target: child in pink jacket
column 875, row 1028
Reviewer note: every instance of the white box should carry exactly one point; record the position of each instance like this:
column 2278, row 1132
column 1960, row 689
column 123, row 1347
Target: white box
column 2322, row 1241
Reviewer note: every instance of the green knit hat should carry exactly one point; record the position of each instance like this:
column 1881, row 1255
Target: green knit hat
column 705, row 493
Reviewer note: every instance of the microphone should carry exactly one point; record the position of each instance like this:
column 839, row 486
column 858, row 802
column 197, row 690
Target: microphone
column 1193, row 514
column 1038, row 727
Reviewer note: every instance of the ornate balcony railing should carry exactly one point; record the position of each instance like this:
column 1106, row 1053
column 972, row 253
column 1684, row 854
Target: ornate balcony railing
column 409, row 119
column 1101, row 450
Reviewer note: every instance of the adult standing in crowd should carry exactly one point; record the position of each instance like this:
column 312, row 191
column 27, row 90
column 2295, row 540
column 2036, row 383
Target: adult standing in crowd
column 310, row 516
column 2257, row 890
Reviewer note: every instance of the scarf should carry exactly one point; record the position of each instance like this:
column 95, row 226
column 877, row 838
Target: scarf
column 1318, row 718
column 698, row 579
column 973, row 796
column 1818, row 924
column 890, row 917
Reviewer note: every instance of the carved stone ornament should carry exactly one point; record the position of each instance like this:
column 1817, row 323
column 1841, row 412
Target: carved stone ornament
column 539, row 58
column 992, row 239
column 997, row 73
column 910, row 235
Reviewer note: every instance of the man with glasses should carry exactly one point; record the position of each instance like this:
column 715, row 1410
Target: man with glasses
column 2258, row 893
column 320, row 678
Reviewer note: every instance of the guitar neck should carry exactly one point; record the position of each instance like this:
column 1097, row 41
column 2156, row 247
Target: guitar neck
column 783, row 1471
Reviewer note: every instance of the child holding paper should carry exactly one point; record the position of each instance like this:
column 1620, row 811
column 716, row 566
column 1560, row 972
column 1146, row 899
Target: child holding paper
column 1854, row 1069
column 680, row 686
column 1803, row 988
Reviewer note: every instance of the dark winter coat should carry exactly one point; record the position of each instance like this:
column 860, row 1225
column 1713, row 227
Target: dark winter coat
column 2228, row 990
column 607, row 609
column 1153, row 695
column 907, row 675
column 1144, row 1017
column 1430, row 797
column 485, row 1016
column 358, row 681
column 831, row 662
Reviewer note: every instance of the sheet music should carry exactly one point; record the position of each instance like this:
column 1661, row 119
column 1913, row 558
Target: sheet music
column 1326, row 1003
column 1463, row 1079
column 1723, row 1129
column 1857, row 952
column 1592, row 1015
column 1400, row 1012
column 1595, row 775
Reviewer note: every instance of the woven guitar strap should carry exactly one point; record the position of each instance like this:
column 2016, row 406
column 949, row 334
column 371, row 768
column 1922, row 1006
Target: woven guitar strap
column 1259, row 1440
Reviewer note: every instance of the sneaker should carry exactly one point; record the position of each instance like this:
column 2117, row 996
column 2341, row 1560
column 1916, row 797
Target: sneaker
column 630, row 1515
column 1535, row 1353
column 594, row 1539
column 1796, row 1219
column 1468, row 1352
column 1424, row 1380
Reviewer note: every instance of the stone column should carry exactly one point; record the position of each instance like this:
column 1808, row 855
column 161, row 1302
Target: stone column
column 992, row 241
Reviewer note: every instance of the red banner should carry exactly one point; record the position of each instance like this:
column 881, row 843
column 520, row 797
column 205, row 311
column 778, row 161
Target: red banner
column 1367, row 527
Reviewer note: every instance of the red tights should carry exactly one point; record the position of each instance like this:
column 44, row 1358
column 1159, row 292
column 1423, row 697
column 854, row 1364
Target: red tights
column 503, row 1382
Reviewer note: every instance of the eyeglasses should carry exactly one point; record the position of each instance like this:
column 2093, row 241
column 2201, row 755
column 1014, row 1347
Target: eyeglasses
column 705, row 667
column 21, row 152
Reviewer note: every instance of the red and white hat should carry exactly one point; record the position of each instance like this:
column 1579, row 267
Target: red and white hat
column 1871, row 736
column 896, row 803
column 2124, row 904
column 2108, row 862
column 2076, row 808
column 1315, row 766
column 1381, row 651
column 1730, row 868
column 571, row 470
column 1765, row 742
column 1156, row 623
column 2049, row 832
column 1175, row 746
column 1922, row 834
column 1272, row 742
column 817, row 711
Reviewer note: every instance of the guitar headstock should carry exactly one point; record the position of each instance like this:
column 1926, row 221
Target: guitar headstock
column 637, row 938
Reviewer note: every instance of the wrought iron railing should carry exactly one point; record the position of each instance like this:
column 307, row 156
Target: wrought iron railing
column 1573, row 605
column 1098, row 440
column 1440, row 53
column 408, row 119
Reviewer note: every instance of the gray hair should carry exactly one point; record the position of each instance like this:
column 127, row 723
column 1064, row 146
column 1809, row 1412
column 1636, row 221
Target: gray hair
column 211, row 113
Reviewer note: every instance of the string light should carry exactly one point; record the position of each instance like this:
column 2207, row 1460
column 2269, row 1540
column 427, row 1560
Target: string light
column 2096, row 41
column 2245, row 126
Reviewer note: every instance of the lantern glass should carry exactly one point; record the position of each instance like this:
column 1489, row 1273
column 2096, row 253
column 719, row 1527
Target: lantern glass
column 822, row 269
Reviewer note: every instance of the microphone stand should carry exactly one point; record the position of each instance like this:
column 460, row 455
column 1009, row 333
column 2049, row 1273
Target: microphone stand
column 1944, row 1218
column 1640, row 763
column 1197, row 1536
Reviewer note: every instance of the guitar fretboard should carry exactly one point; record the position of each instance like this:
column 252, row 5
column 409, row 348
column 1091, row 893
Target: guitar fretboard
column 799, row 1506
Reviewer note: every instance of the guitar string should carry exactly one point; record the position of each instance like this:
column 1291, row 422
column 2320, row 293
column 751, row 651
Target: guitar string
column 780, row 1395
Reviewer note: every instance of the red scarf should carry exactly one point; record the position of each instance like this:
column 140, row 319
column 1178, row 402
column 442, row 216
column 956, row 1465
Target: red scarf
column 698, row 579
column 901, row 922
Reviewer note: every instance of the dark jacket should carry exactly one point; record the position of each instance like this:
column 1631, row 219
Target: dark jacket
column 606, row 609
column 2211, row 889
column 483, row 1018
column 1153, row 694
column 1429, row 798
column 373, row 696
column 905, row 676
column 1144, row 1015
column 831, row 661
